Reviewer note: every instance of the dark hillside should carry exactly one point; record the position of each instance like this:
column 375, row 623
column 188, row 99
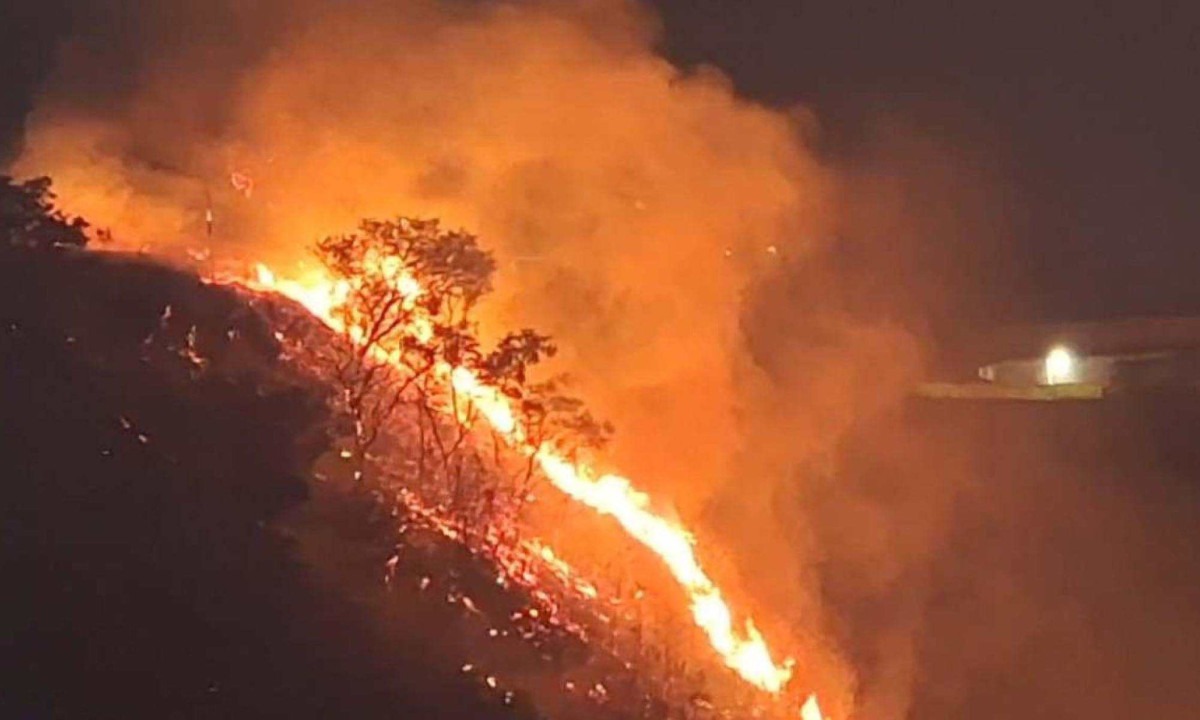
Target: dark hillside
column 148, row 438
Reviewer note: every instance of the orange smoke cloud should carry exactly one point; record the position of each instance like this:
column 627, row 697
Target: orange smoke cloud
column 631, row 205
column 624, row 198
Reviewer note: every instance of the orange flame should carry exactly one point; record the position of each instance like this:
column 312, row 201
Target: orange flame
column 743, row 649
column 811, row 710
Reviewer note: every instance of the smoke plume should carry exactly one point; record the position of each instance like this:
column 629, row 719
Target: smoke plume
column 629, row 203
column 747, row 312
column 677, row 240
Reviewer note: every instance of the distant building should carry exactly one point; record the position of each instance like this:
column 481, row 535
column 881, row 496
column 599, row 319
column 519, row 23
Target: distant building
column 1062, row 366
column 1068, row 361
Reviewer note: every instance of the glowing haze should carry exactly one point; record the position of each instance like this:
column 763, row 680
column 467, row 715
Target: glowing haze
column 630, row 204
column 627, row 201
column 744, row 651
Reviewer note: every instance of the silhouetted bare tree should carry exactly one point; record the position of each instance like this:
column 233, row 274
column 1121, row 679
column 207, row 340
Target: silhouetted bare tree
column 408, row 290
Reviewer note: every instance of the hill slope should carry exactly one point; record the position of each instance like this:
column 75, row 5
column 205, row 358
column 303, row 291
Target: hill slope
column 151, row 440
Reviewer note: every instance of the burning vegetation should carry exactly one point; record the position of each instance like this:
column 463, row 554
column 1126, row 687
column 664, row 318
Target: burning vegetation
column 456, row 436
column 455, row 441
column 631, row 235
column 767, row 520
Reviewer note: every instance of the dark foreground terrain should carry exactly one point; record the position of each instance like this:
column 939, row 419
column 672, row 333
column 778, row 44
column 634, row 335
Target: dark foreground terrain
column 147, row 456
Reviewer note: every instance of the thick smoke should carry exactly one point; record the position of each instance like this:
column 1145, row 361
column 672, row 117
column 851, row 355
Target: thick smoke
column 839, row 336
column 629, row 203
column 681, row 243
column 748, row 317
column 984, row 560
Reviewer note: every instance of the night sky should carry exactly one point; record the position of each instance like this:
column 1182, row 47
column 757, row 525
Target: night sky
column 1090, row 107
column 1093, row 104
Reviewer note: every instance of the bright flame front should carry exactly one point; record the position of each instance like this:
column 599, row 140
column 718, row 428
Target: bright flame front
column 743, row 649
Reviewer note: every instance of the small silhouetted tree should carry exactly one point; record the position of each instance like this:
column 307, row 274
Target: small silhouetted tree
column 409, row 288
column 28, row 216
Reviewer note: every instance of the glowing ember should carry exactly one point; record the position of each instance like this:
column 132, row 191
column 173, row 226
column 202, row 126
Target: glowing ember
column 242, row 182
column 562, row 570
column 743, row 649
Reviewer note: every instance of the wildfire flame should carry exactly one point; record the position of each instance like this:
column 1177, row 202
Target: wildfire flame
column 743, row 649
column 811, row 710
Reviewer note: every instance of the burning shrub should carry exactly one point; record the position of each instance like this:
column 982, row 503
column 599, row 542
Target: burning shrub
column 454, row 433
column 406, row 290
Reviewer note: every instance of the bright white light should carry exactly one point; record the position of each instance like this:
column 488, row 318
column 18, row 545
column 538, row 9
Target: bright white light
column 811, row 710
column 1061, row 366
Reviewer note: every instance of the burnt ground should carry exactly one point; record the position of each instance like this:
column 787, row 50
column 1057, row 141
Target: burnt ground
column 145, row 569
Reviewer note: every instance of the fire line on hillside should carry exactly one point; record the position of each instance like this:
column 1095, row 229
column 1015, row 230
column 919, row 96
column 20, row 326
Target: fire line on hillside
column 743, row 649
